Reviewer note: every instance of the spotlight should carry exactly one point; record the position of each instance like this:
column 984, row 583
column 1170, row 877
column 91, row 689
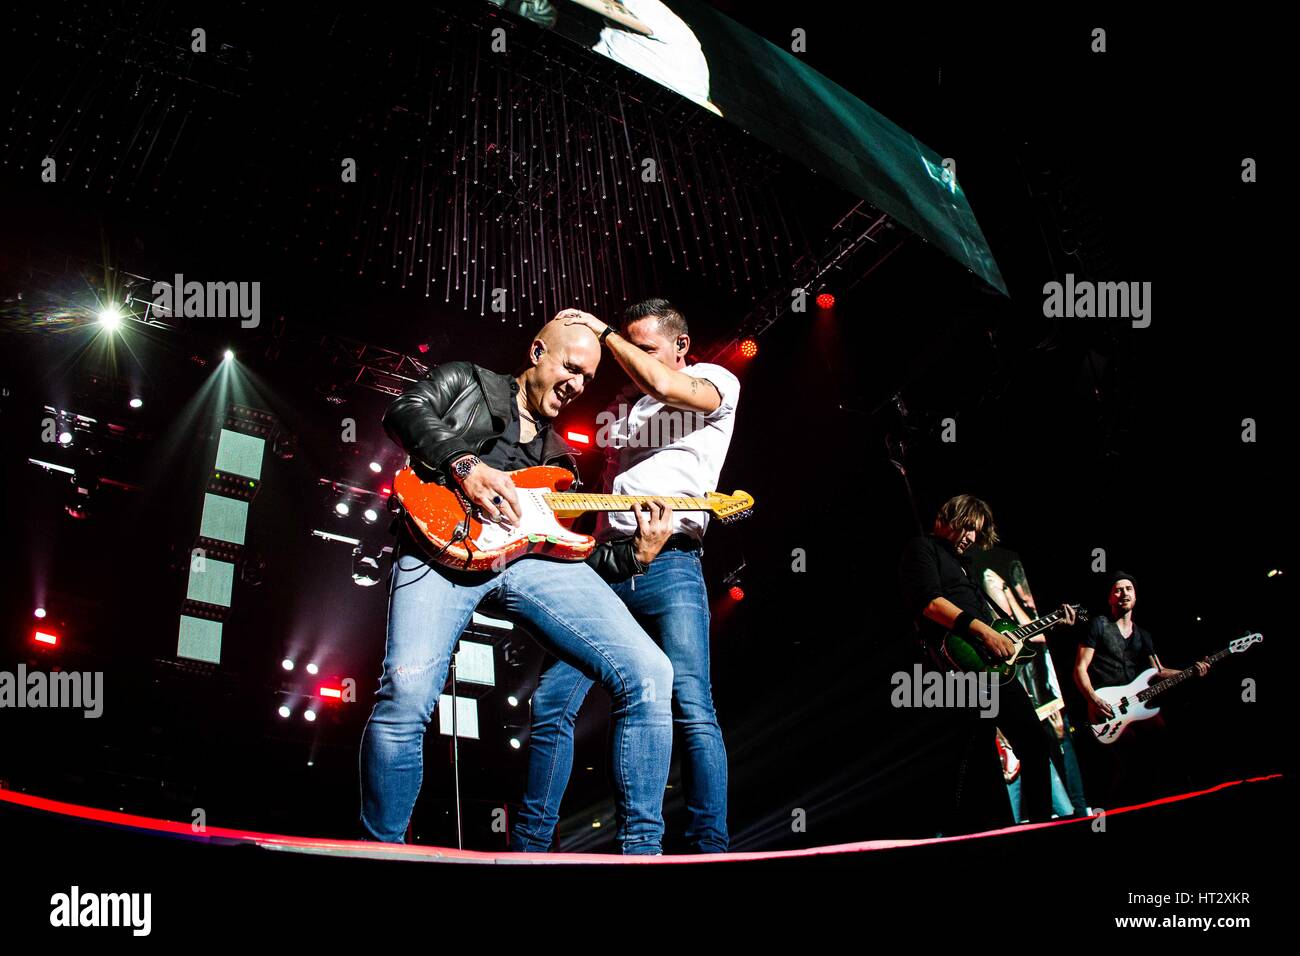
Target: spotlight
column 341, row 508
column 65, row 437
column 79, row 499
column 1274, row 572
column 309, row 715
column 284, row 444
column 228, row 355
column 136, row 403
column 512, row 654
column 312, row 668
column 732, row 582
column 376, row 467
column 365, row 568
column 825, row 300
column 39, row 612
column 748, row 348
column 110, row 319
column 512, row 700
column 370, row 515
column 284, row 711
column 514, row 743
column 287, row 664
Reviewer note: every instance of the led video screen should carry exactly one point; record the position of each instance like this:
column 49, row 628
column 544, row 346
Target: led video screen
column 774, row 96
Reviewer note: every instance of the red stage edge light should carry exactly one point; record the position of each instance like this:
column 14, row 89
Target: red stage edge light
column 582, row 438
column 825, row 300
column 737, row 592
column 46, row 637
column 748, row 348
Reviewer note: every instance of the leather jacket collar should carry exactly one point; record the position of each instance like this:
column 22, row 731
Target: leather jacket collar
column 500, row 390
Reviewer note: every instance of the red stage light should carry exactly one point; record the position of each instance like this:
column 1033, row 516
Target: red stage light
column 334, row 692
column 423, row 347
column 825, row 300
column 737, row 592
column 46, row 637
column 748, row 348
column 581, row 438
column 385, row 491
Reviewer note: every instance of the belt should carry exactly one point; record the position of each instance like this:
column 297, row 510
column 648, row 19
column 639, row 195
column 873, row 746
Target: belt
column 681, row 542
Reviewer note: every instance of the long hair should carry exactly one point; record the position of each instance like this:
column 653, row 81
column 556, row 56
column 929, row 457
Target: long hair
column 963, row 513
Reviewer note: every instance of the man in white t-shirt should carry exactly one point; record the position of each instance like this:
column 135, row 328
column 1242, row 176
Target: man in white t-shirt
column 671, row 441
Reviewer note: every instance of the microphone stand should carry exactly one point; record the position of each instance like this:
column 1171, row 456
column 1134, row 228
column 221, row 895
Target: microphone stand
column 455, row 750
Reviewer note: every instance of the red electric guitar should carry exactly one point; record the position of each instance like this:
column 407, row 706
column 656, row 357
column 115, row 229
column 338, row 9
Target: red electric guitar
column 450, row 526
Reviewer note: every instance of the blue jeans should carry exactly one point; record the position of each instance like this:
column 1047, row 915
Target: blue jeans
column 573, row 613
column 670, row 601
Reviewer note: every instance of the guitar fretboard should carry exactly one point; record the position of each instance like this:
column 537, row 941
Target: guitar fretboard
column 571, row 501
column 1161, row 686
column 1036, row 625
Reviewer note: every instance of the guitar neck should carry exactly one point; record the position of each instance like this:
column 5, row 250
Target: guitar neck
column 1036, row 626
column 572, row 501
column 1161, row 686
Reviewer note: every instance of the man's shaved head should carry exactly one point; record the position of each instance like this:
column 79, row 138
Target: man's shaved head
column 562, row 359
column 555, row 334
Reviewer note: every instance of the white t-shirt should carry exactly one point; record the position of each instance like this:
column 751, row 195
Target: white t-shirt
column 654, row 449
column 672, row 57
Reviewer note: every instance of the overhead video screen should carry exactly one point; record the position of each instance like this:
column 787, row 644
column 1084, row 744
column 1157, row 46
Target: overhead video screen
column 773, row 95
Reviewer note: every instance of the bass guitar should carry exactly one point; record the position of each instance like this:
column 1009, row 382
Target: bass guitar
column 1132, row 702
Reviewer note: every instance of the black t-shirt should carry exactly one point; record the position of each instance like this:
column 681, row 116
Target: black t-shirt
column 930, row 568
column 1116, row 661
column 507, row 454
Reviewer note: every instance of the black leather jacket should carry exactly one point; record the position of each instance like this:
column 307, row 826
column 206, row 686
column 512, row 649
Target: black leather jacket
column 458, row 410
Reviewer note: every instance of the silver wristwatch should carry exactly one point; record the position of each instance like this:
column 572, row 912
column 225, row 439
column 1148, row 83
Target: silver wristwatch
column 464, row 466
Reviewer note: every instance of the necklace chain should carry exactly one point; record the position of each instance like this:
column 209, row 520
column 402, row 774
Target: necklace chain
column 523, row 413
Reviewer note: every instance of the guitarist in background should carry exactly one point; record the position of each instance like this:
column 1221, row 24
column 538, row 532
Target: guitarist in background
column 672, row 440
column 465, row 426
column 939, row 591
column 1013, row 597
column 1112, row 653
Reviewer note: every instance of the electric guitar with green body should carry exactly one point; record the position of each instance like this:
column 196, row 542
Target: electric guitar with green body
column 964, row 653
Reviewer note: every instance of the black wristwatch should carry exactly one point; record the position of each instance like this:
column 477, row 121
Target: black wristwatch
column 464, row 466
column 603, row 335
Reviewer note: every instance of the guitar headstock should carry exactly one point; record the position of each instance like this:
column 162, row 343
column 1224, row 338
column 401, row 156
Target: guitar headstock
column 732, row 507
column 1241, row 643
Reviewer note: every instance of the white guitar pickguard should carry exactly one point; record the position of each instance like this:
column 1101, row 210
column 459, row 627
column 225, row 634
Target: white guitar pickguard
column 1126, row 708
column 536, row 517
